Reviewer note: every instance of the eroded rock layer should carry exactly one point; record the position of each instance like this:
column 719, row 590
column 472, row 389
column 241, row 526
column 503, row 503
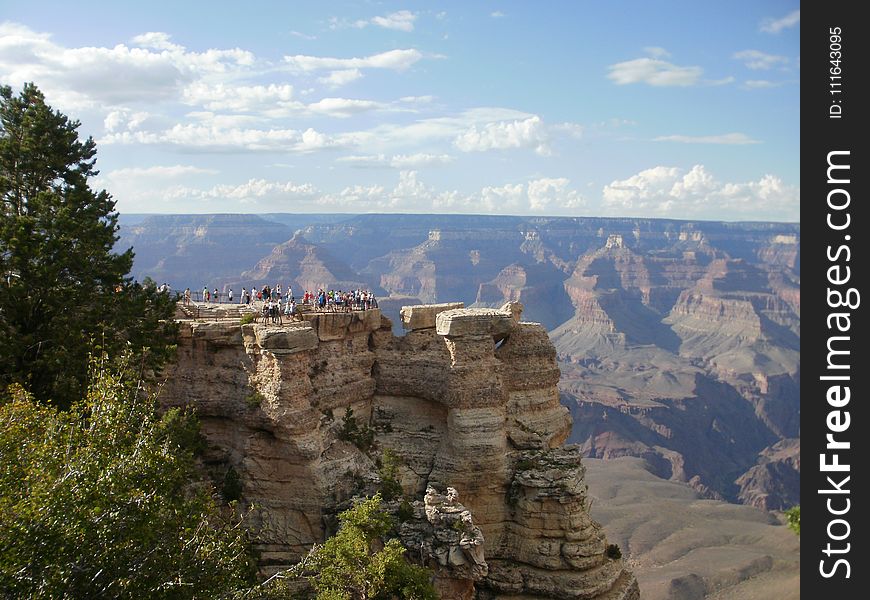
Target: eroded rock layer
column 298, row 417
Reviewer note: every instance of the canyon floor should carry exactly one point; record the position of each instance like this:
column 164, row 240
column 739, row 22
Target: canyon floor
column 682, row 547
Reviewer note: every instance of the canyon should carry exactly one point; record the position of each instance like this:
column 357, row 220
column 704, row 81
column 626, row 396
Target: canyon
column 678, row 342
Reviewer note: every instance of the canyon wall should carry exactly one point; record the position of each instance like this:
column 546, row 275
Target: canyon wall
column 467, row 400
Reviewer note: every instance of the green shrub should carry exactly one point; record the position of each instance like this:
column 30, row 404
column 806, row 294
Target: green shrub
column 613, row 551
column 345, row 566
column 231, row 489
column 247, row 318
column 406, row 511
column 391, row 489
column 361, row 436
column 793, row 518
column 254, row 400
column 97, row 501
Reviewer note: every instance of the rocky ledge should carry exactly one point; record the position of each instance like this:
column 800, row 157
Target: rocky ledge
column 299, row 417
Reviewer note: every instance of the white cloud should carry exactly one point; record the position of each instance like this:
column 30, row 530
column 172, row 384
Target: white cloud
column 339, row 78
column 669, row 192
column 214, row 136
column 157, row 40
column 397, row 60
column 402, row 20
column 124, row 118
column 343, row 107
column 99, row 77
column 503, row 199
column 654, row 72
column 497, row 14
column 240, row 98
column 549, row 194
column 771, row 25
column 417, row 99
column 528, row 133
column 727, row 138
column 757, row 60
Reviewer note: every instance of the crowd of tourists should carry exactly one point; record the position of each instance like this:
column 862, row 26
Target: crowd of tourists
column 283, row 301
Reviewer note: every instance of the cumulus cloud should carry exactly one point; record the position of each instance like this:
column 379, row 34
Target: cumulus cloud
column 159, row 188
column 154, row 69
column 337, row 79
column 241, row 98
column 757, row 60
column 772, row 25
column 216, row 137
column 133, row 187
column 671, row 192
column 528, row 133
column 655, row 72
column 124, row 118
column 346, row 70
column 549, row 194
column 249, row 192
column 727, row 138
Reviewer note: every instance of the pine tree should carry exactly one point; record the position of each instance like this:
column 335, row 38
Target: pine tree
column 63, row 287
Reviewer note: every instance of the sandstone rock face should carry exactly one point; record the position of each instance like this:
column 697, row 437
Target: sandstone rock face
column 422, row 316
column 467, row 400
column 449, row 542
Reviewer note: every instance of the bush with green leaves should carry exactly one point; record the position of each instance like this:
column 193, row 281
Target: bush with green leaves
column 391, row 488
column 361, row 436
column 355, row 564
column 793, row 518
column 103, row 500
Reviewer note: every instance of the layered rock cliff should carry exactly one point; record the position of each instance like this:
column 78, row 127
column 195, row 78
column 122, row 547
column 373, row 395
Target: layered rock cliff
column 679, row 341
column 467, row 401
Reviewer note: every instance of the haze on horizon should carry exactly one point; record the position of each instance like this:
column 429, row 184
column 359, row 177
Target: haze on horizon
column 669, row 110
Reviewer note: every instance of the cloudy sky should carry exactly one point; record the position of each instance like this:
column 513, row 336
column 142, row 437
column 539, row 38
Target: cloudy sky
column 679, row 109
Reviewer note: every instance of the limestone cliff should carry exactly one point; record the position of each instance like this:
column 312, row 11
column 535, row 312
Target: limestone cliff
column 467, row 400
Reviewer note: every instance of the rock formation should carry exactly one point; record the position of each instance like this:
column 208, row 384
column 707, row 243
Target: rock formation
column 467, row 400
column 678, row 341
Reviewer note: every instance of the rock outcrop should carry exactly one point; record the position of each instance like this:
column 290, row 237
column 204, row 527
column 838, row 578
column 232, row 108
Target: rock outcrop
column 467, row 400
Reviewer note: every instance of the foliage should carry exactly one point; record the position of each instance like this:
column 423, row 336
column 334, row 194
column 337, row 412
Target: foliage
column 62, row 285
column 98, row 501
column 406, row 511
column 354, row 565
column 613, row 551
column 361, row 436
column 231, row 489
column 254, row 400
column 793, row 518
column 247, row 318
column 391, row 489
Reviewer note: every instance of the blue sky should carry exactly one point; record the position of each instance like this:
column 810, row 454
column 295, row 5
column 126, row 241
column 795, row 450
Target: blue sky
column 636, row 108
